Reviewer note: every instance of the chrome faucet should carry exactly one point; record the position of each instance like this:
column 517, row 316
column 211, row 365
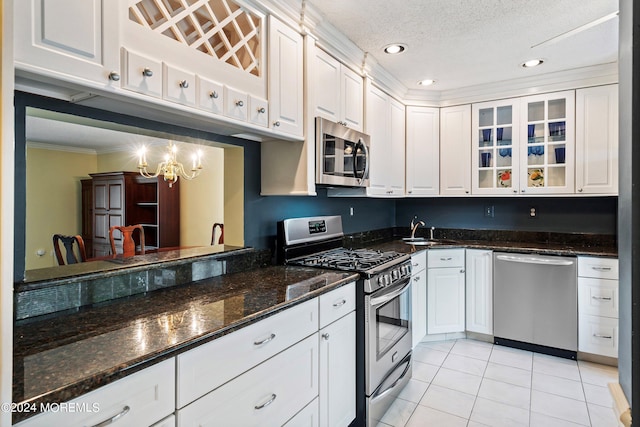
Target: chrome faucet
column 414, row 226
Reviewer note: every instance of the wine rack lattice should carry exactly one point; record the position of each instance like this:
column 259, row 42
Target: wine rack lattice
column 219, row 28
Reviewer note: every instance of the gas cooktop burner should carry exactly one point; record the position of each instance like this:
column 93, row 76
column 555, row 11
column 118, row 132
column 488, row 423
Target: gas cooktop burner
column 347, row 259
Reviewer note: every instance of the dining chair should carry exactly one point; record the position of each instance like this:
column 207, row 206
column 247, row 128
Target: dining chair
column 213, row 233
column 68, row 243
column 128, row 243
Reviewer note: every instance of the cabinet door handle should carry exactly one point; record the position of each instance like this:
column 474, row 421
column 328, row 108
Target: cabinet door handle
column 340, row 303
column 446, row 259
column 239, row 103
column 266, row 340
column 276, row 124
column 147, row 72
column 213, row 94
column 114, row 418
column 416, row 279
column 601, row 268
column 415, row 264
column 603, row 336
column 184, row 84
column 325, row 336
column 462, row 271
column 261, row 110
column 267, row 403
column 579, row 190
column 601, row 298
column 114, row 77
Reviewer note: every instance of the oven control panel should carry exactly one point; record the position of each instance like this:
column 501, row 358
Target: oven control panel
column 390, row 276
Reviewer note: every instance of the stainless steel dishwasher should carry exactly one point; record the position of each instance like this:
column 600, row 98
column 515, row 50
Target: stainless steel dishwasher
column 535, row 301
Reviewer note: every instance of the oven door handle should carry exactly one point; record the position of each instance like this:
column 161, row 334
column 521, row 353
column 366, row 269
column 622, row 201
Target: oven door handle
column 379, row 393
column 391, row 294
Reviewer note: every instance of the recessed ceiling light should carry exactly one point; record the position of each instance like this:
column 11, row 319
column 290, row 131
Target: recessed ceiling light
column 426, row 82
column 532, row 63
column 395, row 48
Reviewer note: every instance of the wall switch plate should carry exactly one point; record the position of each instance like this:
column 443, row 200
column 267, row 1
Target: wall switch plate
column 489, row 211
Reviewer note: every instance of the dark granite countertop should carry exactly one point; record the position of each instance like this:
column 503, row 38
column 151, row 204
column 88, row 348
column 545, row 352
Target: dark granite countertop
column 561, row 249
column 62, row 357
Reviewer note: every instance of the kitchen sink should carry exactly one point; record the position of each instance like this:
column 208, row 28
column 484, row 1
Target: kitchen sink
column 421, row 241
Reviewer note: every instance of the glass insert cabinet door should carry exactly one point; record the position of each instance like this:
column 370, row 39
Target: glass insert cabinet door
column 547, row 143
column 495, row 142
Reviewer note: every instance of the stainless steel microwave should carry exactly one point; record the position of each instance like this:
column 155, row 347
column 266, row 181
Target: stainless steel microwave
column 342, row 155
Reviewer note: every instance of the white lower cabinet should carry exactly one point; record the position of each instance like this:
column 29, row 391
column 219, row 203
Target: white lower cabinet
column 141, row 399
column 445, row 291
column 308, row 417
column 479, row 292
column 170, row 421
column 338, row 372
column 598, row 306
column 418, row 297
column 268, row 395
column 210, row 365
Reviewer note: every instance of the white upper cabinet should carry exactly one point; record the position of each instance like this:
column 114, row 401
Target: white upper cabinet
column 72, row 40
column 495, row 147
column 422, row 151
column 455, row 150
column 219, row 41
column 286, row 78
column 547, row 136
column 597, row 140
column 338, row 91
column 385, row 124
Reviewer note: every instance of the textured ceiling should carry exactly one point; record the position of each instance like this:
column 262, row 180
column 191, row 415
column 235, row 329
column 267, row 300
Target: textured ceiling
column 462, row 43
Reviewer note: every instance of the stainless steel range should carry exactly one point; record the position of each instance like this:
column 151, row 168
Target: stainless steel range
column 383, row 329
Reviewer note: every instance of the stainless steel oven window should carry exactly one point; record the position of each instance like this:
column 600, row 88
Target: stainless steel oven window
column 392, row 321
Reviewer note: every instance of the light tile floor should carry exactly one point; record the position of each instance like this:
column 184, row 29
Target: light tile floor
column 470, row 383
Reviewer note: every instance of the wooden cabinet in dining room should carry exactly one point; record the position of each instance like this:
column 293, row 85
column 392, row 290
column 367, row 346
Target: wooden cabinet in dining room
column 126, row 198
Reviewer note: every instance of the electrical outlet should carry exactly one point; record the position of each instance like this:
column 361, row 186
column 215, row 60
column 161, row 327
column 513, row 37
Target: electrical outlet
column 532, row 212
column 489, row 211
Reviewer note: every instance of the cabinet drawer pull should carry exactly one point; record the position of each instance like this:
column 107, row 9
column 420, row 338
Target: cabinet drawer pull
column 415, row 264
column 267, row 403
column 213, row 94
column 261, row 110
column 603, row 336
column 596, row 268
column 147, row 72
column 601, row 298
column 446, row 259
column 114, row 418
column 340, row 303
column 114, row 77
column 266, row 340
column 184, row 84
column 325, row 337
column 239, row 103
column 416, row 279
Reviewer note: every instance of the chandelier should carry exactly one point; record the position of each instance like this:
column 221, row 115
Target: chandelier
column 170, row 168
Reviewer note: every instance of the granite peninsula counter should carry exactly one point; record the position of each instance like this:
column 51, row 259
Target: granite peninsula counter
column 62, row 357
